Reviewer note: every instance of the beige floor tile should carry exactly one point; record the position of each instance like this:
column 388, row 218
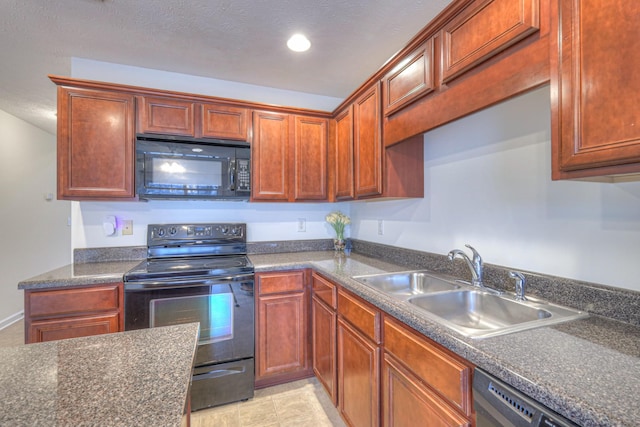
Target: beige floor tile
column 12, row 335
column 258, row 413
column 224, row 416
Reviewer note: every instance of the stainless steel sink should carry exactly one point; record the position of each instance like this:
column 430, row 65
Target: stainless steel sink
column 409, row 283
column 478, row 314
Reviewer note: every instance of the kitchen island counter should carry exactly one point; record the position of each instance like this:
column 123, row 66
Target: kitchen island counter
column 587, row 370
column 130, row 378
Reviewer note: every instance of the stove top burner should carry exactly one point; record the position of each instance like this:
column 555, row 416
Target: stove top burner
column 204, row 267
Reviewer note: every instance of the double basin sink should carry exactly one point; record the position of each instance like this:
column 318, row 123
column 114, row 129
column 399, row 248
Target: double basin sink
column 470, row 311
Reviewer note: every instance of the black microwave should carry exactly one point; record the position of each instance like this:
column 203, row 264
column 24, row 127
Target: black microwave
column 170, row 168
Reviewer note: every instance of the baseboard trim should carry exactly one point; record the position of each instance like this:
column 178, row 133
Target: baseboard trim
column 11, row 319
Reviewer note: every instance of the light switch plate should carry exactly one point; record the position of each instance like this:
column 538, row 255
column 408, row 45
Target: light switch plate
column 127, row 227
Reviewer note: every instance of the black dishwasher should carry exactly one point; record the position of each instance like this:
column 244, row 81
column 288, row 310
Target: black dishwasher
column 498, row 404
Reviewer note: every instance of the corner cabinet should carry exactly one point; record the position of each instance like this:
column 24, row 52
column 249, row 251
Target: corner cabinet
column 595, row 88
column 58, row 313
column 282, row 330
column 323, row 333
column 96, row 143
column 367, row 143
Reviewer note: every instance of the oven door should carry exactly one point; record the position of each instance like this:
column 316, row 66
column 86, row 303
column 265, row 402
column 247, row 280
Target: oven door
column 224, row 309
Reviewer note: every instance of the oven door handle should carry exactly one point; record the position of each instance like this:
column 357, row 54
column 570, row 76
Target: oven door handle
column 139, row 285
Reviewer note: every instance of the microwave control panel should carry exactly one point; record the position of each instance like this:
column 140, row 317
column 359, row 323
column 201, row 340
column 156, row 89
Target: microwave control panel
column 243, row 173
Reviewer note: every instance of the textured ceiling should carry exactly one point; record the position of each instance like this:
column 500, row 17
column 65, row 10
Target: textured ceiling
column 237, row 40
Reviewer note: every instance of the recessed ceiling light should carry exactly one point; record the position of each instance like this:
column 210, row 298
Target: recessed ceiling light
column 298, row 43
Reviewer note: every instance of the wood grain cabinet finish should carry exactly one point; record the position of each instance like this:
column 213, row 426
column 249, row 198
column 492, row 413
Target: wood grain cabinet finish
column 225, row 122
column 595, row 87
column 358, row 361
column 310, row 158
column 323, row 327
column 410, row 79
column 484, row 29
column 96, row 137
column 166, row 115
column 367, row 143
column 344, row 156
column 446, row 374
column 282, row 330
column 407, row 402
column 59, row 313
column 270, row 157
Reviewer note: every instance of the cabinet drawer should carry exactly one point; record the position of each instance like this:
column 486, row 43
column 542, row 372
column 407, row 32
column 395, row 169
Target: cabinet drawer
column 73, row 327
column 325, row 290
column 360, row 314
column 65, row 302
column 280, row 282
column 445, row 372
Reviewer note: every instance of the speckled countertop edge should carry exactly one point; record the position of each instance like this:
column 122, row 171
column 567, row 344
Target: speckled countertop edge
column 129, row 378
column 571, row 373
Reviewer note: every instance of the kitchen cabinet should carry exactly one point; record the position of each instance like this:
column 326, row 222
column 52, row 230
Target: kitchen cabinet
column 289, row 157
column 282, row 330
column 52, row 314
column 225, row 122
column 412, row 78
column 96, row 137
column 166, row 115
column 367, row 143
column 358, row 350
column 594, row 88
column 323, row 327
column 417, row 369
column 483, row 29
column 343, row 155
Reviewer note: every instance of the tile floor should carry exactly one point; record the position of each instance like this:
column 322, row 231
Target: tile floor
column 299, row 403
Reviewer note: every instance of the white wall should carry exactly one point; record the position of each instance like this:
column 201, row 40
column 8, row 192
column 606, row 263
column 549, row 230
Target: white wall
column 35, row 235
column 488, row 183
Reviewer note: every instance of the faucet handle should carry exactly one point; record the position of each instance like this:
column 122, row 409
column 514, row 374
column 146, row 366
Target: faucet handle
column 476, row 256
column 521, row 283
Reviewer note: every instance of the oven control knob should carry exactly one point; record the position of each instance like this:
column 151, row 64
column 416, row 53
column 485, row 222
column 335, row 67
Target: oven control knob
column 235, row 231
column 224, row 229
column 161, row 232
column 173, row 231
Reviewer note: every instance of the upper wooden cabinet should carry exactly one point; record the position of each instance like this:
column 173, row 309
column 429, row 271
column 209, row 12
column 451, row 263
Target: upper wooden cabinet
column 186, row 117
column 595, row 87
column 222, row 121
column 289, row 152
column 169, row 116
column 483, row 29
column 310, row 158
column 343, row 155
column 410, row 79
column 96, row 137
column 367, row 143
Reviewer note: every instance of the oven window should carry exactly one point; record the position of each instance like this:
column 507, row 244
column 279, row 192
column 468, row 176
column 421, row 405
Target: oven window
column 214, row 312
column 176, row 172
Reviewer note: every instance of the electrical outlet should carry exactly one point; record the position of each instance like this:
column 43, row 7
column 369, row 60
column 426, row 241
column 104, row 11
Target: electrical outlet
column 127, row 227
column 302, row 225
column 380, row 227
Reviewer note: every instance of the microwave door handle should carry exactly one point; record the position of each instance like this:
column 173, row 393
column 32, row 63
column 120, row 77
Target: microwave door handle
column 232, row 175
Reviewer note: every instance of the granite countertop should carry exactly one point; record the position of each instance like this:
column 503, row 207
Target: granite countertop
column 91, row 273
column 130, row 378
column 588, row 370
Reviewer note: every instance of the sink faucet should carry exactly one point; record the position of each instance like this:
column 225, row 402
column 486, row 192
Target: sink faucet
column 475, row 264
column 520, row 285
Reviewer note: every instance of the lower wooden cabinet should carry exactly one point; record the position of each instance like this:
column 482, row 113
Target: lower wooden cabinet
column 323, row 334
column 282, row 330
column 406, row 401
column 53, row 314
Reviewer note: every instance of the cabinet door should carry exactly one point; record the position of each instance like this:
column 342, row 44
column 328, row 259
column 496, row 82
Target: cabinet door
column 73, row 327
column 358, row 377
column 595, row 87
column 166, row 116
column 484, row 29
column 96, row 138
column 345, row 189
column 323, row 327
column 270, row 153
column 310, row 174
column 410, row 79
column 367, row 144
column 221, row 121
column 406, row 402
